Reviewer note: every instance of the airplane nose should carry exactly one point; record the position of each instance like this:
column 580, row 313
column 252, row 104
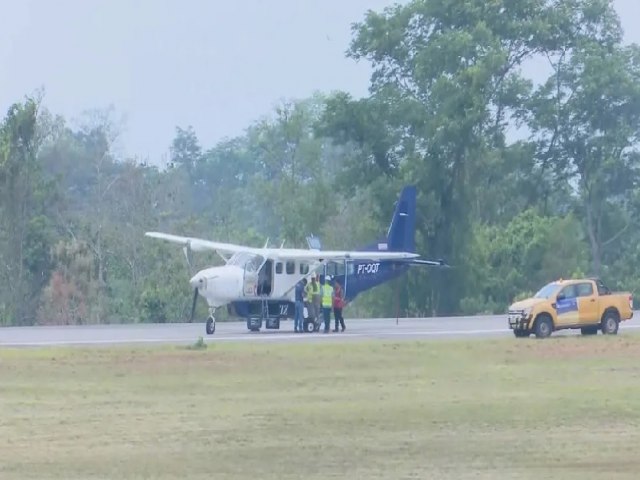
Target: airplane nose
column 196, row 281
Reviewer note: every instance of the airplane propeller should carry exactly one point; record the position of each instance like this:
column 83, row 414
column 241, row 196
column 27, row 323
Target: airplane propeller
column 193, row 305
column 187, row 254
column 197, row 283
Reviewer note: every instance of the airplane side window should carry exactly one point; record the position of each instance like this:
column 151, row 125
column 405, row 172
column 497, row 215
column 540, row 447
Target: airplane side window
column 254, row 263
column 279, row 268
column 304, row 268
column 291, row 268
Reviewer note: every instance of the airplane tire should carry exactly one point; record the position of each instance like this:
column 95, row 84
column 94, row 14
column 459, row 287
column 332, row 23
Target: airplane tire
column 211, row 326
column 308, row 327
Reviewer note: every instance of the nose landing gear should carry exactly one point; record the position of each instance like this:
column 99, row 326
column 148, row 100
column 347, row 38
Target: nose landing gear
column 211, row 322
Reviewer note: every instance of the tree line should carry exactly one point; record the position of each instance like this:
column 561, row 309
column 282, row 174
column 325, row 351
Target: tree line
column 522, row 177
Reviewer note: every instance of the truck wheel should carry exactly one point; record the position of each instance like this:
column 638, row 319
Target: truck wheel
column 610, row 323
column 543, row 327
column 521, row 333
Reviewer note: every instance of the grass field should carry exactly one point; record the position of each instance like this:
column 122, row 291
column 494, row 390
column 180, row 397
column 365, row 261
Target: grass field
column 565, row 407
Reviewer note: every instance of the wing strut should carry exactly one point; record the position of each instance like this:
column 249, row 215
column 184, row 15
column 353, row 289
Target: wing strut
column 346, row 274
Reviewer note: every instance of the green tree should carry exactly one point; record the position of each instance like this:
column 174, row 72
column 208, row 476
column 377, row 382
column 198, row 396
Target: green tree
column 447, row 75
column 292, row 181
column 25, row 200
column 585, row 120
column 516, row 260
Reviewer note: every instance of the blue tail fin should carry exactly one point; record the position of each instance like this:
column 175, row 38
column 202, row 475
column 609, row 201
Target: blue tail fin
column 401, row 234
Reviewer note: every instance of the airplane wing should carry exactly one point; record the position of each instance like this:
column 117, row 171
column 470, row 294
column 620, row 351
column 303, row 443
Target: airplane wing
column 313, row 255
column 198, row 244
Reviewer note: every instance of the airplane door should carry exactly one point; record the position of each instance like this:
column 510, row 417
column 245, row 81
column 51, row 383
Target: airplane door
column 250, row 284
column 265, row 279
column 251, row 278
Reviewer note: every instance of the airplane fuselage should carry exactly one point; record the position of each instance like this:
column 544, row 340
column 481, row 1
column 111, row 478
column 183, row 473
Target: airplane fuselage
column 246, row 291
column 360, row 277
column 272, row 280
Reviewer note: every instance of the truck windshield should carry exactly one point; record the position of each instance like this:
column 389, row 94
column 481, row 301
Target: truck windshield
column 546, row 291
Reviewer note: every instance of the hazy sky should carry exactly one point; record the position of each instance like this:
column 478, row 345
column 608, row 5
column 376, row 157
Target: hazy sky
column 216, row 65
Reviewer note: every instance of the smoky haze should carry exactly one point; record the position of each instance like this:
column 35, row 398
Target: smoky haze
column 215, row 65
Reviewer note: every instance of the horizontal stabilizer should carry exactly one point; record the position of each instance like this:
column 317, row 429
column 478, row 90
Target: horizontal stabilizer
column 433, row 263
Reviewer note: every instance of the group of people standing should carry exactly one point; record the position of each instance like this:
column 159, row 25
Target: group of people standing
column 320, row 295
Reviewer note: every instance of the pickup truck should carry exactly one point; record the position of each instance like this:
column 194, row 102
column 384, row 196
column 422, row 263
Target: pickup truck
column 586, row 304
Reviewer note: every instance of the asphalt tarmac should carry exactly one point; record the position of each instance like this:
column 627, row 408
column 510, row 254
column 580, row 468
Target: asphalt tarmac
column 483, row 326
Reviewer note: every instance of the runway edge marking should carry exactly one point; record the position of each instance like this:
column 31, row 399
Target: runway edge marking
column 258, row 337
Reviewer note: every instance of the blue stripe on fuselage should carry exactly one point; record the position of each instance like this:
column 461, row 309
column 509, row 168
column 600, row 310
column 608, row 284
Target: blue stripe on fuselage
column 360, row 282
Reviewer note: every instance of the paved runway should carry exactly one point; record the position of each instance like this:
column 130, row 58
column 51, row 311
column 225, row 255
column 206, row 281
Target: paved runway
column 183, row 334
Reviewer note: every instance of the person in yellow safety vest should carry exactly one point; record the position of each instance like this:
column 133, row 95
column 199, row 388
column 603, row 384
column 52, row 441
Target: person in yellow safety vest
column 313, row 297
column 327, row 301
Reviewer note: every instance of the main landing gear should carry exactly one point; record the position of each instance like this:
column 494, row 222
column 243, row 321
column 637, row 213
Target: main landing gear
column 211, row 322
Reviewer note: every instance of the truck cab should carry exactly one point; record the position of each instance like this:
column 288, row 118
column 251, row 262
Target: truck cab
column 585, row 304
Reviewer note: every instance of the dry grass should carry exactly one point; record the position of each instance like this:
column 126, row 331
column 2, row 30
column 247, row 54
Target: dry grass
column 565, row 407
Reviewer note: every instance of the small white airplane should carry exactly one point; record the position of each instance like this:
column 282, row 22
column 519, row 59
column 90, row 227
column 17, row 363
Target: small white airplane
column 269, row 275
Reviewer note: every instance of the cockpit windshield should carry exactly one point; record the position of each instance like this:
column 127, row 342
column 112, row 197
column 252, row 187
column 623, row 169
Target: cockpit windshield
column 249, row 261
column 548, row 290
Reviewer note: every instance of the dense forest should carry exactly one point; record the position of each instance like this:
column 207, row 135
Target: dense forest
column 520, row 180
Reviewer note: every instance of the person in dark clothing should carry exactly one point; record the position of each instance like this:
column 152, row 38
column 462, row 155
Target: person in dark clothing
column 338, row 304
column 299, row 312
